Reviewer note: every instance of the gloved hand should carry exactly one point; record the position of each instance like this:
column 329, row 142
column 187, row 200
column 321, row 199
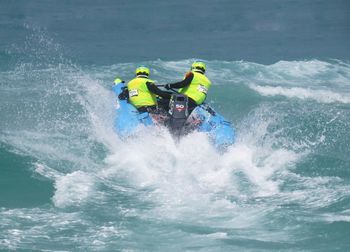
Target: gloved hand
column 167, row 86
column 124, row 95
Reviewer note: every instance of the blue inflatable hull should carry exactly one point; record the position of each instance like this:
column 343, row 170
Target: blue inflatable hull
column 128, row 119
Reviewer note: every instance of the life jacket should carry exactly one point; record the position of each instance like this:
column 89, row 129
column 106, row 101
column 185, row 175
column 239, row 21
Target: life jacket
column 198, row 88
column 139, row 95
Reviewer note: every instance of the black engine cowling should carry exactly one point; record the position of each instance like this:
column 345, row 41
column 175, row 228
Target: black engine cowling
column 178, row 111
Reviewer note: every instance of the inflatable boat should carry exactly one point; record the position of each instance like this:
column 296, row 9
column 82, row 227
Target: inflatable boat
column 203, row 119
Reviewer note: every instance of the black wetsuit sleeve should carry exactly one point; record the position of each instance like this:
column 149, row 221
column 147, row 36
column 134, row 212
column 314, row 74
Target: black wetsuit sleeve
column 185, row 82
column 154, row 89
column 124, row 95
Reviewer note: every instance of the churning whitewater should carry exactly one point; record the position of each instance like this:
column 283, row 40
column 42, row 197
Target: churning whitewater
column 282, row 186
column 280, row 72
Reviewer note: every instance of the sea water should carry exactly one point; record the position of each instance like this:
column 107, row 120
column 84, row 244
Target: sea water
column 280, row 73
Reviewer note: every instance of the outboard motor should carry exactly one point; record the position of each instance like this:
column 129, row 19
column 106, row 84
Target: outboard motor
column 178, row 110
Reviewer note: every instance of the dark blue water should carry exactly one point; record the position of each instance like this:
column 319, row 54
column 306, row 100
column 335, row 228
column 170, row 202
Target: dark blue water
column 280, row 73
column 107, row 32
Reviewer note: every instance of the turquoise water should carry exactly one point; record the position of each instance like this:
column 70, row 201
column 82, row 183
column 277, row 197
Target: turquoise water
column 67, row 183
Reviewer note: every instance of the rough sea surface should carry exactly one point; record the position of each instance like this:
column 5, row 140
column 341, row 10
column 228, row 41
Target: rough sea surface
column 281, row 75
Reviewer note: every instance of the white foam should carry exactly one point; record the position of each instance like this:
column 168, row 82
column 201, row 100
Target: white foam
column 73, row 189
column 343, row 216
column 322, row 96
column 217, row 235
column 301, row 68
column 46, row 171
column 190, row 179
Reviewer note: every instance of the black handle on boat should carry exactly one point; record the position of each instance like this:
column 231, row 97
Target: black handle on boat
column 203, row 105
column 175, row 91
column 163, row 85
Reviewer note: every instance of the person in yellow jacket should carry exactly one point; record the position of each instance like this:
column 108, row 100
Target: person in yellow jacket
column 195, row 85
column 142, row 91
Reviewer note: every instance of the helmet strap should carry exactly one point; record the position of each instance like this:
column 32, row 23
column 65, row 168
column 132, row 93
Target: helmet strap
column 198, row 70
column 141, row 75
